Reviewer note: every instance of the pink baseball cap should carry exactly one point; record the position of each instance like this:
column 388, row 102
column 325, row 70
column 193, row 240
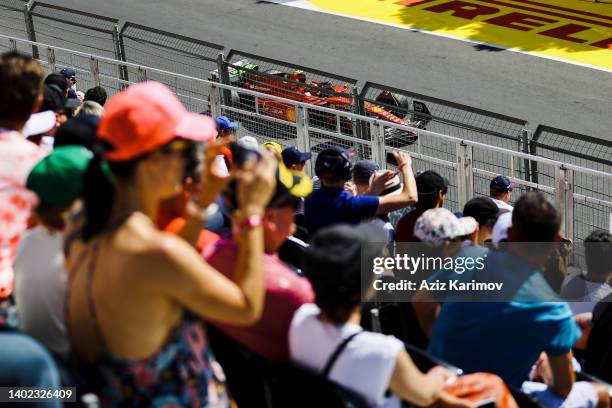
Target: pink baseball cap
column 146, row 116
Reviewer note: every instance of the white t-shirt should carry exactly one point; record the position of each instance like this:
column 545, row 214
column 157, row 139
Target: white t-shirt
column 40, row 288
column 502, row 204
column 364, row 366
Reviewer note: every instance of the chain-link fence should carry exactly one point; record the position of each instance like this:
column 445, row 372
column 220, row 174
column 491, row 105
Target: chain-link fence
column 150, row 47
column 12, row 22
column 584, row 151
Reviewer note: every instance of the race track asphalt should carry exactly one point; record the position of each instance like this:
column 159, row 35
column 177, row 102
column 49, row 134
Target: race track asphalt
column 539, row 90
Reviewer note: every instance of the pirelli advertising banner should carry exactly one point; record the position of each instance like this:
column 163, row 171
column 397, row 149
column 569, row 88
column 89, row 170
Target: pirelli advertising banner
column 578, row 31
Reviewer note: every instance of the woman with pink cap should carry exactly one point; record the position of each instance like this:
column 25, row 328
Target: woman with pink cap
column 137, row 296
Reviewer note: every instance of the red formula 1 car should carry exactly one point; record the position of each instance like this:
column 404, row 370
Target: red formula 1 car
column 293, row 86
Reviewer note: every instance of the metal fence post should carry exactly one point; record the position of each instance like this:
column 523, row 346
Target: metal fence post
column 224, row 79
column 379, row 155
column 29, row 25
column 525, row 166
column 119, row 48
column 564, row 196
column 465, row 174
column 358, row 109
column 95, row 71
column 215, row 101
column 303, row 141
column 51, row 59
column 141, row 74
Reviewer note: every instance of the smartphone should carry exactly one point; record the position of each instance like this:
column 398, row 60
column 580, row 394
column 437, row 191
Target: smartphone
column 391, row 159
column 241, row 155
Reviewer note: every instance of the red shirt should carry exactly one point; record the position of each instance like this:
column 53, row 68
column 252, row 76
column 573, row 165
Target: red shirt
column 404, row 230
column 285, row 293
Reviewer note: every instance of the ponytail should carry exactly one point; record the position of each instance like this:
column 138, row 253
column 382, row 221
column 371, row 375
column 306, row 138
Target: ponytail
column 98, row 194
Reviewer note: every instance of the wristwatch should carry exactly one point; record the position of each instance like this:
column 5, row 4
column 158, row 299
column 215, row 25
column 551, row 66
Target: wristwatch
column 248, row 223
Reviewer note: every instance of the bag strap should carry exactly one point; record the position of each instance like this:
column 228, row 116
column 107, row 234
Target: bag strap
column 336, row 354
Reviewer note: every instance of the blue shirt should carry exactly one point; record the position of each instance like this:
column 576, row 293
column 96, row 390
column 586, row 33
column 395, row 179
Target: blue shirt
column 328, row 206
column 505, row 338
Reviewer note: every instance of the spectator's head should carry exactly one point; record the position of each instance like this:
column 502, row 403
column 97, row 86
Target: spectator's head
column 598, row 253
column 362, row 173
column 501, row 188
column 248, row 142
column 278, row 221
column 78, row 131
column 333, row 167
column 333, row 265
column 148, row 139
column 534, row 219
column 485, row 212
column 431, row 188
column 21, row 82
column 96, row 94
column 60, row 80
column 70, row 75
column 90, row 108
column 440, row 229
column 57, row 180
column 274, row 147
column 294, row 159
column 225, row 127
column 56, row 101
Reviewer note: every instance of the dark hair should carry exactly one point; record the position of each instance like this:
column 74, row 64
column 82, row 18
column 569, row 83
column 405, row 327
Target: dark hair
column 96, row 94
column 57, row 79
column 99, row 189
column 337, row 285
column 535, row 219
column 598, row 252
column 21, row 81
column 429, row 200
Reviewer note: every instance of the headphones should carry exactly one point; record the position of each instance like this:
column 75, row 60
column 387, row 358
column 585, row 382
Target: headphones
column 333, row 162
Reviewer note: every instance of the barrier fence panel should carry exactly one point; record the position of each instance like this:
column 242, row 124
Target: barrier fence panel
column 13, row 23
column 150, row 47
column 76, row 30
column 584, row 151
column 452, row 119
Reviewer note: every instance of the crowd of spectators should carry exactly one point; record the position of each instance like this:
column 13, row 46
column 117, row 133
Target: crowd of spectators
column 132, row 232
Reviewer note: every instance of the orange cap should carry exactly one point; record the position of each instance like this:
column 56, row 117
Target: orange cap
column 146, row 116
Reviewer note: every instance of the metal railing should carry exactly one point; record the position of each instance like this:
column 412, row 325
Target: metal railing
column 314, row 128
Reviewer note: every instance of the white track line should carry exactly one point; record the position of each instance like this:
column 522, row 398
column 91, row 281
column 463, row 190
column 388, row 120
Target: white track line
column 304, row 4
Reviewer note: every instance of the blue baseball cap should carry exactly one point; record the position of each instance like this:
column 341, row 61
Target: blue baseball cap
column 501, row 183
column 292, row 155
column 223, row 123
column 69, row 73
column 363, row 170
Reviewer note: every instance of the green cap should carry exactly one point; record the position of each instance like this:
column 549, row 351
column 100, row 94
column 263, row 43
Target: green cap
column 58, row 178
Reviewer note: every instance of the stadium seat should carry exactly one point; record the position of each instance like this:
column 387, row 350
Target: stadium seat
column 255, row 382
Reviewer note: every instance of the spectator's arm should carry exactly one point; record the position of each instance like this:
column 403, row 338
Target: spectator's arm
column 409, row 195
column 410, row 384
column 179, row 271
column 563, row 376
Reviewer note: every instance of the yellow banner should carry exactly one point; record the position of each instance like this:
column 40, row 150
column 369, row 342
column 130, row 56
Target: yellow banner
column 573, row 30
